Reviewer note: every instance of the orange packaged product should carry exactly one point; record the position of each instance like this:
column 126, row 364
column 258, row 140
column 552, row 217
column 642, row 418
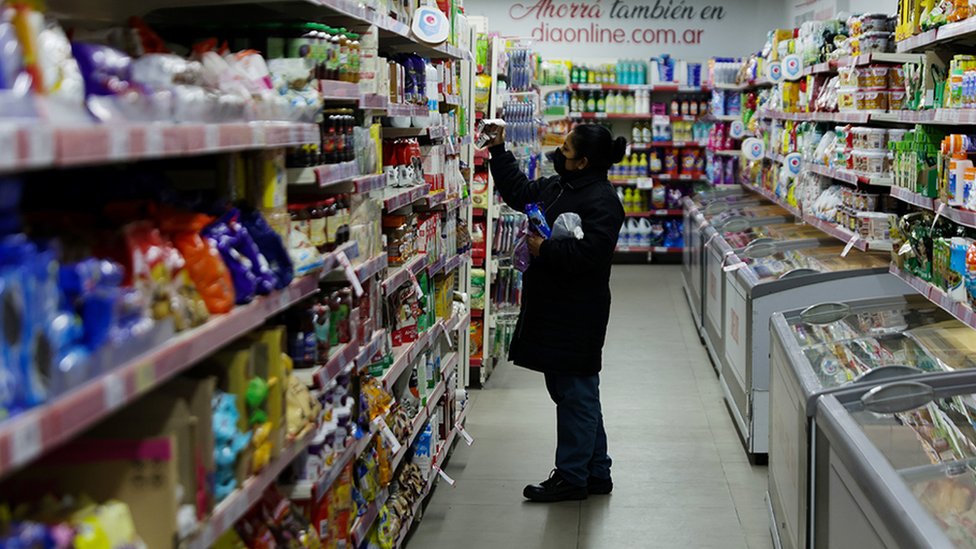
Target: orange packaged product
column 203, row 261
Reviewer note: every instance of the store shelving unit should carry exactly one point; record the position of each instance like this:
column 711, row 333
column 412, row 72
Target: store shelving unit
column 831, row 229
column 145, row 364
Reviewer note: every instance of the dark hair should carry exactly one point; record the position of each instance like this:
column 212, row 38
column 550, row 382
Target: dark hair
column 596, row 143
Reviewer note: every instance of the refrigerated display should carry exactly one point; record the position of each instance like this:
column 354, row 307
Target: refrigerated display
column 834, row 347
column 695, row 229
column 727, row 231
column 896, row 465
column 776, row 276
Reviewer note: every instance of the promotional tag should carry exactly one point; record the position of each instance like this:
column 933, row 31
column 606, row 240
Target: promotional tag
column 753, row 148
column 792, row 67
column 793, row 163
column 445, row 476
column 774, row 72
column 468, row 439
column 850, row 245
column 938, row 214
column 351, row 276
column 416, row 285
column 905, row 248
column 737, row 130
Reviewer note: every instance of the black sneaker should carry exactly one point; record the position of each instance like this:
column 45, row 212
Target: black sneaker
column 554, row 489
column 599, row 486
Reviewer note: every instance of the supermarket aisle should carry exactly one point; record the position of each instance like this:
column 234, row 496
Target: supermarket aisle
column 681, row 477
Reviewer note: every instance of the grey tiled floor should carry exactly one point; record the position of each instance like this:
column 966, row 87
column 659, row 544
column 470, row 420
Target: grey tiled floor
column 681, row 477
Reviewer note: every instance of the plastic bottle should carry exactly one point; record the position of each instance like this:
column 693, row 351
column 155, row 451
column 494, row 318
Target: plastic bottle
column 601, row 102
column 625, row 167
column 354, row 58
column 642, row 165
column 958, row 165
column 629, row 200
column 646, row 130
column 644, row 232
column 333, row 58
column 641, row 73
column 630, row 106
column 590, row 102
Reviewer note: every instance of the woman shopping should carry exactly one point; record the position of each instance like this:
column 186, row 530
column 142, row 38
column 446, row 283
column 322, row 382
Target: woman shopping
column 566, row 299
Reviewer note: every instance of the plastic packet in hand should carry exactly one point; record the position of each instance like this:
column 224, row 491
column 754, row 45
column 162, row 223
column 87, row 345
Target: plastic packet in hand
column 568, row 225
column 520, row 253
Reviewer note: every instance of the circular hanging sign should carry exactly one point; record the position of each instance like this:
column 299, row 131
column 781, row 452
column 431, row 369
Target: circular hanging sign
column 774, row 72
column 737, row 130
column 753, row 149
column 430, row 25
column 792, row 67
column 793, row 162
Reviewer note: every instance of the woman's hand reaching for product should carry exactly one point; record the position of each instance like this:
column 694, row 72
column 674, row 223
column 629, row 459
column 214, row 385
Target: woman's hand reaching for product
column 535, row 244
column 499, row 133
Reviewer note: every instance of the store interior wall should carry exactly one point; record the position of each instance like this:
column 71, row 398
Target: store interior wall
column 806, row 10
column 694, row 30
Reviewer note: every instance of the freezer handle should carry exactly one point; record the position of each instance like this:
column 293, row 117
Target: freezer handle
column 761, row 247
column 900, row 396
column 735, row 224
column 888, row 372
column 825, row 313
column 797, row 272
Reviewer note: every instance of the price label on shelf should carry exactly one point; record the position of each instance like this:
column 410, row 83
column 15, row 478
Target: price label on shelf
column 849, row 246
column 238, row 507
column 114, row 391
column 645, row 183
column 145, row 376
column 118, row 143
column 211, row 136
column 8, row 145
column 468, row 439
column 445, row 476
column 733, row 267
column 350, row 273
column 26, row 442
column 154, row 140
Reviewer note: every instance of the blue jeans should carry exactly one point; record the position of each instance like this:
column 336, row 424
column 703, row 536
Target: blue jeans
column 581, row 441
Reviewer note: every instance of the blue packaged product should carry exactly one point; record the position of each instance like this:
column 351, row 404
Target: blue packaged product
column 537, row 220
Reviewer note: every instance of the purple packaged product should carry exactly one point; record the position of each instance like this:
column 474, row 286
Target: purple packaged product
column 106, row 70
column 674, row 198
column 733, row 103
column 730, row 169
column 718, row 102
column 717, row 170
column 699, row 164
column 266, row 280
column 270, row 246
column 225, row 240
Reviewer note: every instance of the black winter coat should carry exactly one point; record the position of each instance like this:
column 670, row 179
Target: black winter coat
column 566, row 290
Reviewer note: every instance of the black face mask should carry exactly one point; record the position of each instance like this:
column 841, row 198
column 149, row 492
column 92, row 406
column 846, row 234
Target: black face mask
column 558, row 160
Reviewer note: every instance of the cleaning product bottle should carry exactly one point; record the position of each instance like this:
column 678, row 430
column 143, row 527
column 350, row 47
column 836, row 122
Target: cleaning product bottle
column 642, row 165
column 636, row 135
column 644, row 232
column 629, row 200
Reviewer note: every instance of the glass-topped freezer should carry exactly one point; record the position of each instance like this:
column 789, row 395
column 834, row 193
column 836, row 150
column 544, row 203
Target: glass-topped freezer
column 830, row 348
column 898, row 465
column 727, row 231
column 697, row 229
